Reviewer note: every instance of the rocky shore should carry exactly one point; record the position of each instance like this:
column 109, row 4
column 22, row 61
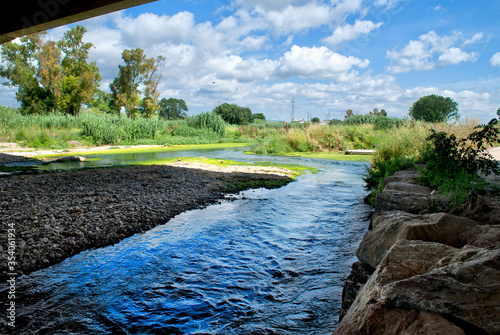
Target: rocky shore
column 422, row 270
column 56, row 215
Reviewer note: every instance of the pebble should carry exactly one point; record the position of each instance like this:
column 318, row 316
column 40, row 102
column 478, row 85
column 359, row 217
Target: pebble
column 96, row 208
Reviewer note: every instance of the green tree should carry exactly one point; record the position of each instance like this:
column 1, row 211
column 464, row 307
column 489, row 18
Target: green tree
column 103, row 102
column 259, row 116
column 152, row 77
column 125, row 88
column 80, row 79
column 20, row 70
column 46, row 80
column 315, row 120
column 234, row 114
column 434, row 108
column 376, row 112
column 498, row 113
column 50, row 74
column 172, row 109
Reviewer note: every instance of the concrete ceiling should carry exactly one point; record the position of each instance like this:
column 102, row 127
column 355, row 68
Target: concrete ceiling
column 23, row 17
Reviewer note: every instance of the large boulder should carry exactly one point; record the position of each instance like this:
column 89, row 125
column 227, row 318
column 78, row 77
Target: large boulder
column 389, row 227
column 359, row 275
column 402, row 191
column 429, row 288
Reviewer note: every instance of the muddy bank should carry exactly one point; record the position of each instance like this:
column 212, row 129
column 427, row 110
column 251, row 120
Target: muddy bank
column 54, row 216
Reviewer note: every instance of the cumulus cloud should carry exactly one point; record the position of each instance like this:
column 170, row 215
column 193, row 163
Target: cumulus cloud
column 350, row 32
column 455, row 56
column 153, row 28
column 431, row 51
column 495, row 60
column 294, row 19
column 317, row 62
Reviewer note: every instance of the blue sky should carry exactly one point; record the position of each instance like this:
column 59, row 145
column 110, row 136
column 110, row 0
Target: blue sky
column 329, row 56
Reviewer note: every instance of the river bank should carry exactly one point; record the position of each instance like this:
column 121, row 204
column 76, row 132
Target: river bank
column 56, row 215
column 422, row 270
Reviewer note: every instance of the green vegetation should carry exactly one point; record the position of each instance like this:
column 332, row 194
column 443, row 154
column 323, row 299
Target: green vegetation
column 51, row 76
column 434, row 108
column 138, row 70
column 452, row 164
column 236, row 115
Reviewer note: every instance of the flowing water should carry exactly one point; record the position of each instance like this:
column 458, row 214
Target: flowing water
column 270, row 262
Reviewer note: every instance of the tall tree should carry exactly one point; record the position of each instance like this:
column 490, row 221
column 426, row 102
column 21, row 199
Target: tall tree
column 20, row 70
column 172, row 109
column 50, row 72
column 152, row 77
column 51, row 76
column 137, row 70
column 434, row 108
column 81, row 79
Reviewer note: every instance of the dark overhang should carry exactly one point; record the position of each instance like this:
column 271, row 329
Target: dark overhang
column 23, row 17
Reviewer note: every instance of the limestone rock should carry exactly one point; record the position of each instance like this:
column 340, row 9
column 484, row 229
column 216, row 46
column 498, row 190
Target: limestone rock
column 65, row 159
column 354, row 282
column 389, row 227
column 381, row 320
column 408, row 176
column 407, row 202
column 416, row 277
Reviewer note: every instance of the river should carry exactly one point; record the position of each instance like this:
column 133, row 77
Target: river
column 270, row 262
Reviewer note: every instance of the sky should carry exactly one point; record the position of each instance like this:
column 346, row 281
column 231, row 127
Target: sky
column 326, row 55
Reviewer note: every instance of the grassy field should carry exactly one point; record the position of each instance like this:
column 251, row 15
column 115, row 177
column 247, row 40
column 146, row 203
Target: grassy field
column 397, row 142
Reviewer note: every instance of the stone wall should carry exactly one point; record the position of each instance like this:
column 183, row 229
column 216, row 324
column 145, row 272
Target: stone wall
column 422, row 271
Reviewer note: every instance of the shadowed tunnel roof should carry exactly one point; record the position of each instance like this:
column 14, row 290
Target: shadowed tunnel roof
column 23, row 17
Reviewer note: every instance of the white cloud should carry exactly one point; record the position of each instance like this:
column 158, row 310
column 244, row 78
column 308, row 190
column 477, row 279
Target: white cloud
column 148, row 29
column 495, row 60
column 294, row 19
column 317, row 62
column 350, row 32
column 431, row 51
column 475, row 39
column 455, row 56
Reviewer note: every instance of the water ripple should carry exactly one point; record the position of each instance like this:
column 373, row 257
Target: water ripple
column 270, row 263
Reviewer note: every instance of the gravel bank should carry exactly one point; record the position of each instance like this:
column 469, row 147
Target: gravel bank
column 57, row 215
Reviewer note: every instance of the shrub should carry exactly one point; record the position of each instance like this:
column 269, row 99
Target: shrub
column 453, row 166
column 208, row 120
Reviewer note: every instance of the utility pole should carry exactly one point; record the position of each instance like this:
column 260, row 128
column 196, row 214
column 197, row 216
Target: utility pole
column 293, row 109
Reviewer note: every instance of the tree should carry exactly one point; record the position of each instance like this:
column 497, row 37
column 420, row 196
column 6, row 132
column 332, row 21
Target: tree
column 234, row 114
column 259, row 116
column 315, row 120
column 125, row 88
column 434, row 108
column 51, row 76
column 152, row 77
column 172, row 109
column 498, row 113
column 81, row 79
column 376, row 112
column 20, row 70
column 349, row 113
column 103, row 102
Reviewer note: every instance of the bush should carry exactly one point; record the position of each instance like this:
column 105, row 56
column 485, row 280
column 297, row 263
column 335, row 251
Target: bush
column 234, row 114
column 454, row 166
column 210, row 121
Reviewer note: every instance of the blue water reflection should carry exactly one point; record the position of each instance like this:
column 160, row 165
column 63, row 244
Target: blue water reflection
column 271, row 262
